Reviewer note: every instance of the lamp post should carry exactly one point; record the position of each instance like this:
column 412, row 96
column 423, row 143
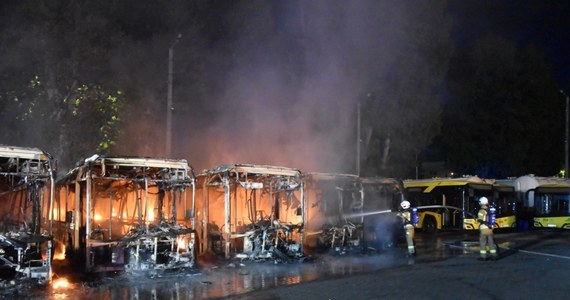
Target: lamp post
column 169, row 107
column 566, row 137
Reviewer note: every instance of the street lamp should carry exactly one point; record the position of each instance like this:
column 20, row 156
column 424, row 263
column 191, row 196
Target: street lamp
column 566, row 137
column 169, row 107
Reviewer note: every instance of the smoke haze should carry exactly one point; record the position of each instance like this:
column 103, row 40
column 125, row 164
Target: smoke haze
column 288, row 90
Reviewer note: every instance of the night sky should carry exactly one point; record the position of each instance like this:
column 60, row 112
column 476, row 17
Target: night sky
column 267, row 82
column 544, row 24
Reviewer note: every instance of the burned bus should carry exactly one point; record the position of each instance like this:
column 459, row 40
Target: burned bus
column 381, row 199
column 26, row 200
column 127, row 214
column 334, row 213
column 253, row 212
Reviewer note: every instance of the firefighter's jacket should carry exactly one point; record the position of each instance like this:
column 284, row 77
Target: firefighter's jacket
column 406, row 216
column 483, row 217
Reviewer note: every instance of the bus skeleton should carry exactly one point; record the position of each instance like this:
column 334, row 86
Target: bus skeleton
column 129, row 214
column 26, row 197
column 332, row 200
column 253, row 212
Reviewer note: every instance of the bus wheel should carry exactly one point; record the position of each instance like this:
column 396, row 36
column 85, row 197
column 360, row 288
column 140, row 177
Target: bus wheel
column 429, row 225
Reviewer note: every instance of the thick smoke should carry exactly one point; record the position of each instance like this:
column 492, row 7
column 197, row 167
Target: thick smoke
column 293, row 75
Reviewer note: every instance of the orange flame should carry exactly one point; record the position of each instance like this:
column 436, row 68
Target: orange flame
column 181, row 243
column 97, row 217
column 59, row 253
column 60, row 283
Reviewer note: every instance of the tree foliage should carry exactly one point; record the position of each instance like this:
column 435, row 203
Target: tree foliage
column 402, row 111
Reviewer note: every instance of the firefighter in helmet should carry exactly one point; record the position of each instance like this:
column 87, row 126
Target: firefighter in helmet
column 486, row 231
column 405, row 214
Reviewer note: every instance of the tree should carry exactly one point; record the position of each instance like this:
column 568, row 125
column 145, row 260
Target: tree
column 58, row 95
column 402, row 110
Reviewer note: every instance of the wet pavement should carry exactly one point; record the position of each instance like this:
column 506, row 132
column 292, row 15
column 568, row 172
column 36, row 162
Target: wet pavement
column 531, row 265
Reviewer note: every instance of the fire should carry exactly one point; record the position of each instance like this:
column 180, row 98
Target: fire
column 59, row 253
column 97, row 217
column 150, row 215
column 60, row 283
column 181, row 243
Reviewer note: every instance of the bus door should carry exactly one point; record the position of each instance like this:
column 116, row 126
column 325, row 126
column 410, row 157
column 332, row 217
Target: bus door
column 450, row 201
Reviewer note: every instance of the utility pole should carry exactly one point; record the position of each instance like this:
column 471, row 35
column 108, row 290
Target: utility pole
column 566, row 137
column 169, row 107
column 358, row 139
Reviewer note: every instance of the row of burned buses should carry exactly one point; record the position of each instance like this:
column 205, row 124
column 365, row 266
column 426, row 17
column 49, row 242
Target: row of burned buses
column 138, row 214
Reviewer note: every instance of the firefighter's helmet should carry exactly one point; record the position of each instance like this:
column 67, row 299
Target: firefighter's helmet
column 405, row 204
column 483, row 201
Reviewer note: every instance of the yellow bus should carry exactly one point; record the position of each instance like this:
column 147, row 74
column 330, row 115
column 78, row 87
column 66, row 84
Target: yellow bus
column 545, row 199
column 452, row 203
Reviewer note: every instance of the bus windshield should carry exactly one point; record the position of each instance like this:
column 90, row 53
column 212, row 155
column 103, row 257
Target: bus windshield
column 504, row 200
column 476, row 191
column 552, row 202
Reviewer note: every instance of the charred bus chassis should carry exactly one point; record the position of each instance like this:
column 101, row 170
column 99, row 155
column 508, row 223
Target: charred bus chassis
column 128, row 214
column 334, row 221
column 26, row 194
column 252, row 212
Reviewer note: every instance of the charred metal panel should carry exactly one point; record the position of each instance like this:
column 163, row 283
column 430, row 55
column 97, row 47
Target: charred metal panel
column 334, row 213
column 253, row 212
column 26, row 202
column 381, row 202
column 131, row 214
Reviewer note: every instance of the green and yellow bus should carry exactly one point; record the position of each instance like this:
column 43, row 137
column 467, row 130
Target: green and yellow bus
column 545, row 199
column 452, row 203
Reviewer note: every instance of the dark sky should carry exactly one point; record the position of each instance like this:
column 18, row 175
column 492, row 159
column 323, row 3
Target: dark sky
column 545, row 24
column 288, row 73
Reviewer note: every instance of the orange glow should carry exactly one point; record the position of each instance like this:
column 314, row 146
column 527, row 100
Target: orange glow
column 60, row 283
column 150, row 215
column 181, row 243
column 59, row 253
column 97, row 217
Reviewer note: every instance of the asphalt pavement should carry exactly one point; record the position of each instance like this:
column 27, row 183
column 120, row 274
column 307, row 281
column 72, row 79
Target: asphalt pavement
column 532, row 265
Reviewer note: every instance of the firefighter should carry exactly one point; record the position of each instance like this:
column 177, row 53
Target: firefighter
column 486, row 231
column 405, row 214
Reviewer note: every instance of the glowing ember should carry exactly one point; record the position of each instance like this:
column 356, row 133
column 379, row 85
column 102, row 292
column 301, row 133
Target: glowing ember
column 60, row 283
column 150, row 215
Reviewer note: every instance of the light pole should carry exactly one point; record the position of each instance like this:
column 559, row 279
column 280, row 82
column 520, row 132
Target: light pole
column 566, row 137
column 169, row 107
column 358, row 139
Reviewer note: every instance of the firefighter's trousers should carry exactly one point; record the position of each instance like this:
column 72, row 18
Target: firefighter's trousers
column 410, row 238
column 486, row 239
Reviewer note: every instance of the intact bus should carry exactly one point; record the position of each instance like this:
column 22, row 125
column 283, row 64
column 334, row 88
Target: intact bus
column 452, row 203
column 545, row 199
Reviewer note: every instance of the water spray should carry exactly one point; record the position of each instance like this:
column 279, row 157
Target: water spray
column 367, row 213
